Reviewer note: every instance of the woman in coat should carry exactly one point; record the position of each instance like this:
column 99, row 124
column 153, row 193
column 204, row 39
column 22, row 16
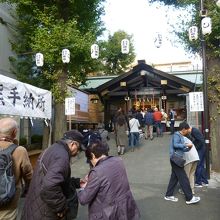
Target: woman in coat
column 121, row 127
column 107, row 191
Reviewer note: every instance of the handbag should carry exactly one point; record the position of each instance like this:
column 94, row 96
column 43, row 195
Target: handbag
column 177, row 159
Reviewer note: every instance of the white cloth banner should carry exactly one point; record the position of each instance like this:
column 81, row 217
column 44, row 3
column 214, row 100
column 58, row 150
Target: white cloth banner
column 17, row 98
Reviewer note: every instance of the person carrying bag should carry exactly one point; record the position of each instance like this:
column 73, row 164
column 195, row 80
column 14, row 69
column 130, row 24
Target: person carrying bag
column 178, row 174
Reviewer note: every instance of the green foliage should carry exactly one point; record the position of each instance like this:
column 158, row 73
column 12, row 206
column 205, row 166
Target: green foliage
column 114, row 62
column 183, row 24
column 48, row 27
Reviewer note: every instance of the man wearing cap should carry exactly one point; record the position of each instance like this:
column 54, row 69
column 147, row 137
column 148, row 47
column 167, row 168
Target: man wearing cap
column 51, row 184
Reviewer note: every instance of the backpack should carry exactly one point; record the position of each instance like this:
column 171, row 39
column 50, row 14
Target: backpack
column 90, row 136
column 7, row 178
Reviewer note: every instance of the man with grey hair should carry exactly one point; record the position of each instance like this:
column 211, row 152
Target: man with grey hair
column 22, row 168
column 51, row 187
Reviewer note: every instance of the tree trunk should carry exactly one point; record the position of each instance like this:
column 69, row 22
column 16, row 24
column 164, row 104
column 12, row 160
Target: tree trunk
column 214, row 110
column 60, row 121
column 60, row 124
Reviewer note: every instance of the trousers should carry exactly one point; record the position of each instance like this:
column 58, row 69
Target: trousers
column 178, row 174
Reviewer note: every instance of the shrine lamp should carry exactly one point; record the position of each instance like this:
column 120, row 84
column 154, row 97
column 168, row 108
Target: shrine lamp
column 125, row 46
column 65, row 56
column 39, row 59
column 95, row 51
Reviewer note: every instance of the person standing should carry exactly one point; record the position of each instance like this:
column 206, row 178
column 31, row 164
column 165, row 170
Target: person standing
column 120, row 131
column 149, row 123
column 157, row 120
column 49, row 191
column 199, row 142
column 164, row 120
column 103, row 133
column 21, row 166
column 134, row 132
column 140, row 116
column 178, row 173
column 191, row 157
column 172, row 121
column 107, row 191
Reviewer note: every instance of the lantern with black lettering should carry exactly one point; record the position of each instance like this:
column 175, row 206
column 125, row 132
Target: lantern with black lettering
column 95, row 51
column 206, row 25
column 193, row 33
column 39, row 59
column 125, row 46
column 158, row 40
column 65, row 56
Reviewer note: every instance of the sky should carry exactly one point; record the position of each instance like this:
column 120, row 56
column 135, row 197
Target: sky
column 142, row 20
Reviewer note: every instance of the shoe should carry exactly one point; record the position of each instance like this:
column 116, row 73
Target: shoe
column 193, row 200
column 181, row 191
column 198, row 185
column 171, row 198
column 205, row 184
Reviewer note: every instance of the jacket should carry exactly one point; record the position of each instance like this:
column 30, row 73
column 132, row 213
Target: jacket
column 178, row 144
column 108, row 193
column 197, row 139
column 157, row 116
column 192, row 154
column 22, row 170
column 149, row 118
column 49, row 187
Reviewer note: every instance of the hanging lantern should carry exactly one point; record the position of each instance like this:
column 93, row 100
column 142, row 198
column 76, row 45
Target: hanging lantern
column 65, row 56
column 158, row 40
column 95, row 51
column 193, row 33
column 206, row 25
column 39, row 59
column 125, row 46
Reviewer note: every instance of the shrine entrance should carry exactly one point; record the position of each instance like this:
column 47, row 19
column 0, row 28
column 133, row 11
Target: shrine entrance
column 144, row 87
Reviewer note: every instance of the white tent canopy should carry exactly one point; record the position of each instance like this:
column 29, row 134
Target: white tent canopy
column 24, row 100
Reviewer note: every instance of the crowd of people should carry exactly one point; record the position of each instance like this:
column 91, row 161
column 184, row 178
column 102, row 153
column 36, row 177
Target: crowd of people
column 127, row 128
column 52, row 192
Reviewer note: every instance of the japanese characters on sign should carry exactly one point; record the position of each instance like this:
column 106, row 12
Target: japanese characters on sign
column 196, row 103
column 17, row 98
column 70, row 106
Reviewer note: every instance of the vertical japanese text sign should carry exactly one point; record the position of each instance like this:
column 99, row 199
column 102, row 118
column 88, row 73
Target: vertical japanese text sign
column 70, row 106
column 196, row 103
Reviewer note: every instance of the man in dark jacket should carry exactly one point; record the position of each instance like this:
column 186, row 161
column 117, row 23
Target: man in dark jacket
column 199, row 142
column 149, row 123
column 107, row 191
column 47, row 198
